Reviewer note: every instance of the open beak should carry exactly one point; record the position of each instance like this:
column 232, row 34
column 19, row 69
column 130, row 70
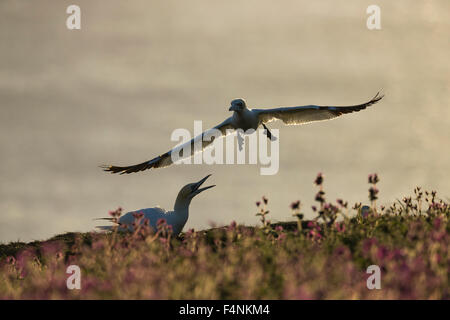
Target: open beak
column 197, row 188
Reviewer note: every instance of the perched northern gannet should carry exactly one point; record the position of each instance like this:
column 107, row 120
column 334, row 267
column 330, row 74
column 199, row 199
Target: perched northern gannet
column 176, row 218
column 245, row 118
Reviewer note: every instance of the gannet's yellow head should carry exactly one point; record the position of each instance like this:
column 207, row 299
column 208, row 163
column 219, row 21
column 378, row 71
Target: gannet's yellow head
column 237, row 105
column 190, row 190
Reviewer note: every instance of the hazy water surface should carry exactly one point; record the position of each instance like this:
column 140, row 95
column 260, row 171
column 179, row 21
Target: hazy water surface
column 115, row 90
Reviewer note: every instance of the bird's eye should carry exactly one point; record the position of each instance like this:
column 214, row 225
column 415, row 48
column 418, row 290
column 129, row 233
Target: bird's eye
column 239, row 104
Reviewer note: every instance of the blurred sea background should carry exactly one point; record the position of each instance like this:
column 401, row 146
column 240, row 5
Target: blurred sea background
column 114, row 91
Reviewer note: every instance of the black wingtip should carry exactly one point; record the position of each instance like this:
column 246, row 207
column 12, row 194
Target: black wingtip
column 112, row 169
column 107, row 168
column 130, row 169
column 378, row 97
column 104, row 167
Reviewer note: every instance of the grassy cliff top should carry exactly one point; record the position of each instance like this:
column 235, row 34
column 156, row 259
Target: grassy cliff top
column 324, row 258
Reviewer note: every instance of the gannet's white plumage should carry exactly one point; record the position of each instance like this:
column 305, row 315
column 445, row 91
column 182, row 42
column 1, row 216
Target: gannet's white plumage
column 176, row 218
column 245, row 118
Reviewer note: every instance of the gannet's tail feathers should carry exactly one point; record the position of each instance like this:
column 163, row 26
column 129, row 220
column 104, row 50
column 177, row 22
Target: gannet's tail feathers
column 203, row 140
column 109, row 219
column 104, row 228
column 107, row 228
column 305, row 114
column 269, row 134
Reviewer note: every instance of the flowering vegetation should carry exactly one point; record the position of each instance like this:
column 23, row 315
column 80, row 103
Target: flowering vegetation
column 323, row 258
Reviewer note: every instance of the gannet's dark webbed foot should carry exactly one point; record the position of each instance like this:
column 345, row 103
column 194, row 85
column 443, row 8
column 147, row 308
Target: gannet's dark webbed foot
column 240, row 140
column 268, row 133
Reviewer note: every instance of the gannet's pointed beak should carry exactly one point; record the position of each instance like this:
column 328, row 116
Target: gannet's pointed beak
column 232, row 108
column 197, row 188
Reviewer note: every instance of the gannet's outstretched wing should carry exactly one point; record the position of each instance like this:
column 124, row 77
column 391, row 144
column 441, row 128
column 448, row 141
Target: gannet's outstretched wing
column 166, row 159
column 306, row 114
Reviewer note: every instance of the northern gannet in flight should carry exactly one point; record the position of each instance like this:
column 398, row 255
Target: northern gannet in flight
column 245, row 118
column 176, row 218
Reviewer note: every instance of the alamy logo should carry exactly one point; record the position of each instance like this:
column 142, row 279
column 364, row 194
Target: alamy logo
column 74, row 280
column 208, row 147
column 74, row 20
column 374, row 280
column 374, row 20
